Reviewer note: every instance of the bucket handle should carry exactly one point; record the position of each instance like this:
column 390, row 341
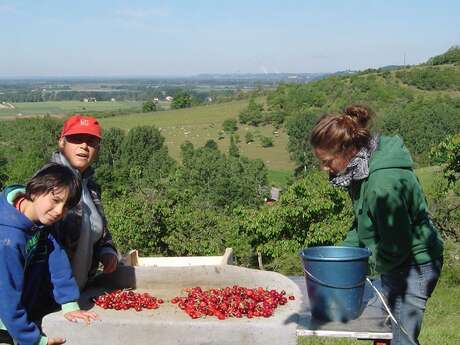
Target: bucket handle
column 319, row 281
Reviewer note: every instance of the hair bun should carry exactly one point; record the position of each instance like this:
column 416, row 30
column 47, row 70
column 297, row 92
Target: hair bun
column 361, row 113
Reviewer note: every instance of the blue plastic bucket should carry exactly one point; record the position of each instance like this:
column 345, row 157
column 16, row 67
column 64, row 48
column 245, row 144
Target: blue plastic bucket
column 335, row 278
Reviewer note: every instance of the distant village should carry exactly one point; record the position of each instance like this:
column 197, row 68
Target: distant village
column 94, row 99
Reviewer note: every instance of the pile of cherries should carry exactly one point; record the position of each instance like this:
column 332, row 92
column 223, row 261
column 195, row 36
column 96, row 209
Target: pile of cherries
column 127, row 299
column 235, row 301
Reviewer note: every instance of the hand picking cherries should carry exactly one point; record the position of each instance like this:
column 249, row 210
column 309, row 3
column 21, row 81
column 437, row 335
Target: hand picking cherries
column 124, row 300
column 228, row 302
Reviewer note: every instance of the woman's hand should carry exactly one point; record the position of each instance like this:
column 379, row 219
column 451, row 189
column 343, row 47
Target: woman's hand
column 56, row 341
column 109, row 261
column 84, row 315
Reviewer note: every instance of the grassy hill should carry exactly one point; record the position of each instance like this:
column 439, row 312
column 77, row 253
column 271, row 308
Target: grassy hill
column 397, row 92
column 202, row 123
column 420, row 103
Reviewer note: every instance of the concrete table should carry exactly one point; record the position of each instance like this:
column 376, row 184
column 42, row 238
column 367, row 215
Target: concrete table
column 168, row 325
column 371, row 325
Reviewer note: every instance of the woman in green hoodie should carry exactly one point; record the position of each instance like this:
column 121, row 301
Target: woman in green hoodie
column 391, row 214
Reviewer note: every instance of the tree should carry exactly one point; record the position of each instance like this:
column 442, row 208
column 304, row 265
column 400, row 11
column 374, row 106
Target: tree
column 445, row 200
column 310, row 212
column 249, row 137
column 211, row 144
column 298, row 129
column 233, row 149
column 221, row 181
column 26, row 145
column 266, row 141
column 144, row 158
column 149, row 106
column 451, row 56
column 253, row 114
column 110, row 151
column 108, row 160
column 181, row 100
column 423, row 123
column 229, row 126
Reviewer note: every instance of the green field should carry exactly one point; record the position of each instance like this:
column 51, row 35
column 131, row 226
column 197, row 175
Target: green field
column 199, row 124
column 65, row 107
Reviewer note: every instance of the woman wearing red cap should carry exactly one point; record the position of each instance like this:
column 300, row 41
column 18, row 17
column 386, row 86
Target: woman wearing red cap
column 83, row 231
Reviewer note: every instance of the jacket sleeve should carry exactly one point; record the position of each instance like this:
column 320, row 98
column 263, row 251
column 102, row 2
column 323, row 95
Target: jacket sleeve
column 105, row 243
column 65, row 288
column 352, row 240
column 12, row 312
column 390, row 215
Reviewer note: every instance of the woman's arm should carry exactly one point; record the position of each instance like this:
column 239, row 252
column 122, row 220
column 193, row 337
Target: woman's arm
column 390, row 215
column 352, row 239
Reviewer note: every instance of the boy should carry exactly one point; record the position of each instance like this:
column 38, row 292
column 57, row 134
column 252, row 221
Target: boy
column 83, row 231
column 35, row 270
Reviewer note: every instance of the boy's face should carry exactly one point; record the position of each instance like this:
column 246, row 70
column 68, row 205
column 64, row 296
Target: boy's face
column 80, row 150
column 50, row 207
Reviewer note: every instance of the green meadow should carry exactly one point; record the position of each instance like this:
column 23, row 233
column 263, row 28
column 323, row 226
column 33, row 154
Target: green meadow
column 61, row 108
column 202, row 123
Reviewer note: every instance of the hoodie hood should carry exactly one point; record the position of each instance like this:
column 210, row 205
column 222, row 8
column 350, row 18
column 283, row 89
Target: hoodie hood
column 391, row 153
column 59, row 158
column 9, row 215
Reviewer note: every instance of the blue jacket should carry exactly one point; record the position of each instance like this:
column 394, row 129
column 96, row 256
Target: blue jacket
column 35, row 274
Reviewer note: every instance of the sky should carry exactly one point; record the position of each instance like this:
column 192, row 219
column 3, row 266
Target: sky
column 188, row 37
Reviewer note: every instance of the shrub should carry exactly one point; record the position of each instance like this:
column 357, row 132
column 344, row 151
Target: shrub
column 253, row 114
column 310, row 212
column 266, row 141
column 229, row 125
column 149, row 106
column 249, row 137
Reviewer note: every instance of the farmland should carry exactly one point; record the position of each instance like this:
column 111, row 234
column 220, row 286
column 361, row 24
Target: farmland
column 61, row 108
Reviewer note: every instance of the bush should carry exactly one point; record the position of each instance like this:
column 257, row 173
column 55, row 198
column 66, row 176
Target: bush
column 181, row 100
column 253, row 114
column 445, row 198
column 229, row 125
column 136, row 223
column 451, row 56
column 149, row 106
column 249, row 137
column 310, row 212
column 431, row 78
column 451, row 270
column 266, row 141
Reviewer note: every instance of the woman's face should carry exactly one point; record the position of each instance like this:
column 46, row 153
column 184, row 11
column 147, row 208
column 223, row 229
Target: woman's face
column 80, row 150
column 333, row 163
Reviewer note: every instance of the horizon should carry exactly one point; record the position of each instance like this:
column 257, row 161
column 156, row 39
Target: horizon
column 173, row 39
column 151, row 77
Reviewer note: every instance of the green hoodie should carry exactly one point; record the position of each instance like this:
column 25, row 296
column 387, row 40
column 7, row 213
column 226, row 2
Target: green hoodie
column 391, row 214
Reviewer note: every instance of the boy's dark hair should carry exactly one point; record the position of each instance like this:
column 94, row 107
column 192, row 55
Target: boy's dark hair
column 54, row 176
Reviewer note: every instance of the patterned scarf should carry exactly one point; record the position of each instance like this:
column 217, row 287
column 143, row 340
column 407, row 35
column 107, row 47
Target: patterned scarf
column 358, row 167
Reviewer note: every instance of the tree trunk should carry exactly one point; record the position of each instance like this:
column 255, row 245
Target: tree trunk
column 259, row 259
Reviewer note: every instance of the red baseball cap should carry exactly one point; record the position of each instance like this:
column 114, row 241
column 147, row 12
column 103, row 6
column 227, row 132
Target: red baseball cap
column 79, row 124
